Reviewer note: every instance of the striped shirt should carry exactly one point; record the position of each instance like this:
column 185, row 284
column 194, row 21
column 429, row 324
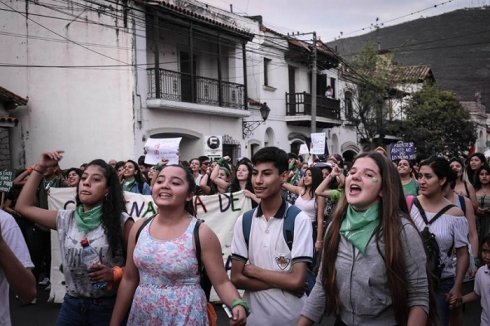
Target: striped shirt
column 450, row 231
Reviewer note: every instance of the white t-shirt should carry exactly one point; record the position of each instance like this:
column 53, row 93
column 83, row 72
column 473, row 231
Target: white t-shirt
column 482, row 289
column 268, row 250
column 76, row 278
column 15, row 240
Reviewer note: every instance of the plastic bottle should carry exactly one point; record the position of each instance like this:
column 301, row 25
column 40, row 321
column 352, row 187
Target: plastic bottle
column 90, row 258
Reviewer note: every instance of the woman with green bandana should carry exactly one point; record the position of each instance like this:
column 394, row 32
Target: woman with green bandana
column 100, row 219
column 373, row 268
column 133, row 180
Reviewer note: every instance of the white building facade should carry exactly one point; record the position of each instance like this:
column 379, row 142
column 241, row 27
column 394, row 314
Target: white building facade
column 102, row 77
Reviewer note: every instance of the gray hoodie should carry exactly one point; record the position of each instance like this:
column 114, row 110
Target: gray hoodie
column 363, row 286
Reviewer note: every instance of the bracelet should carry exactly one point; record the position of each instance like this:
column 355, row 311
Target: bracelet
column 117, row 274
column 243, row 303
column 38, row 171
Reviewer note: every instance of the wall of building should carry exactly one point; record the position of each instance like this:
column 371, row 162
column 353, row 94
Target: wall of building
column 85, row 110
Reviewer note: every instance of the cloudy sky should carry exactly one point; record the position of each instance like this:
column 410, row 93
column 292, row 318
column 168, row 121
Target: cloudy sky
column 351, row 17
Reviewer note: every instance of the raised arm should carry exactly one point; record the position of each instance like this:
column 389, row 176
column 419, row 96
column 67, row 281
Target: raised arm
column 203, row 184
column 323, row 189
column 294, row 189
column 216, row 180
column 26, row 203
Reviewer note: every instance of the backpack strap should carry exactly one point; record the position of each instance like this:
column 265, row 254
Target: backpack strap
column 247, row 225
column 142, row 226
column 438, row 214
column 288, row 225
column 462, row 203
column 198, row 245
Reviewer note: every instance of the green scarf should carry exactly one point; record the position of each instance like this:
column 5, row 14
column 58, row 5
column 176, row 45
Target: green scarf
column 89, row 220
column 128, row 184
column 358, row 227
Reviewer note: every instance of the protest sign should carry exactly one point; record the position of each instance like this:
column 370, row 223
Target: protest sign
column 162, row 148
column 6, row 179
column 303, row 149
column 219, row 212
column 402, row 150
column 318, row 143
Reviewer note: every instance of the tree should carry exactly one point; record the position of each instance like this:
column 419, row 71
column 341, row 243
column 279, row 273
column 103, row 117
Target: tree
column 374, row 75
column 437, row 123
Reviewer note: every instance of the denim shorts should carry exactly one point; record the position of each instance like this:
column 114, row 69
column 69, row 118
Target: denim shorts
column 86, row 311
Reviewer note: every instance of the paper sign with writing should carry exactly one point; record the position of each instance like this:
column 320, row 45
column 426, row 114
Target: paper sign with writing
column 400, row 151
column 318, row 143
column 162, row 148
column 303, row 149
column 6, row 179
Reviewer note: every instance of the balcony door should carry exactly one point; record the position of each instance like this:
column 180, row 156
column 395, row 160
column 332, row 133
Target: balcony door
column 292, row 90
column 187, row 79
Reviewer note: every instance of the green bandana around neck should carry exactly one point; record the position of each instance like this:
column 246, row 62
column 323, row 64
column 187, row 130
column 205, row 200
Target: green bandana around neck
column 358, row 227
column 128, row 184
column 89, row 220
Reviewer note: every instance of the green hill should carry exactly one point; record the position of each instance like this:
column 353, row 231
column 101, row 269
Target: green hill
column 456, row 45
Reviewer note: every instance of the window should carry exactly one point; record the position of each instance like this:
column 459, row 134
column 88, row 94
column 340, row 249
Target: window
column 267, row 63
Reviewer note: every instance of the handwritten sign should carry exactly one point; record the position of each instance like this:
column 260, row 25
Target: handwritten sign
column 6, row 179
column 400, row 151
column 162, row 148
column 303, row 149
column 318, row 143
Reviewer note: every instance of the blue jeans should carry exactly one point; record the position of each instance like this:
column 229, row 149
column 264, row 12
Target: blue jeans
column 85, row 311
column 445, row 285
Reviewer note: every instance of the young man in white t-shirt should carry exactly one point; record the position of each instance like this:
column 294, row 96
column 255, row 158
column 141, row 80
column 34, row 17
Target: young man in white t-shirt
column 274, row 278
column 15, row 266
column 482, row 283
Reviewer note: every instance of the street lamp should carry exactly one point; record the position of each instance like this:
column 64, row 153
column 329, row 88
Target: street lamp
column 249, row 126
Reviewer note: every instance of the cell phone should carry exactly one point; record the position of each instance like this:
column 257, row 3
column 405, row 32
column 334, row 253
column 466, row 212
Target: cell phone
column 227, row 310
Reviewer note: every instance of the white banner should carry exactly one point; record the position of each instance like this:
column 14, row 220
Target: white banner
column 158, row 149
column 219, row 212
column 318, row 143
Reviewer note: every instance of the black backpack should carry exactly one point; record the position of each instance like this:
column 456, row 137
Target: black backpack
column 432, row 251
column 204, row 279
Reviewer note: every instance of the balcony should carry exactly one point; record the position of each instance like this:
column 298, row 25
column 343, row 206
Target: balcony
column 183, row 87
column 298, row 110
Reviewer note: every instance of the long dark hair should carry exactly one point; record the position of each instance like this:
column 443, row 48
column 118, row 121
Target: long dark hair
column 392, row 206
column 472, row 174
column 112, row 207
column 316, row 179
column 485, row 167
column 235, row 184
column 138, row 176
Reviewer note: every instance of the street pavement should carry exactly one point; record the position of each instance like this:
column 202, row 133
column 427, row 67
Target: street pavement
column 45, row 313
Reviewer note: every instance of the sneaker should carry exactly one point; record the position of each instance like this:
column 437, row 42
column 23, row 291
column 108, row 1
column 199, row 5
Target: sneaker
column 44, row 281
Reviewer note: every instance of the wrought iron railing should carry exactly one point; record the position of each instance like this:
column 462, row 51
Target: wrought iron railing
column 182, row 87
column 300, row 104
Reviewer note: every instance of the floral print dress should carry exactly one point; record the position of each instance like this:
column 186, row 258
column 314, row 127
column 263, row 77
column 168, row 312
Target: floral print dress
column 169, row 292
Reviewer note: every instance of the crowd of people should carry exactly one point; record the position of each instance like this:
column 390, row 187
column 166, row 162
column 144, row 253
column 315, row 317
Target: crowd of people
column 356, row 227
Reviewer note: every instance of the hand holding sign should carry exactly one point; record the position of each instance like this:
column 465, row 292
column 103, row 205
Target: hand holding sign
column 162, row 151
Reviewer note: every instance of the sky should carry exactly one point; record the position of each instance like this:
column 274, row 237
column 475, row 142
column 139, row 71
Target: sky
column 330, row 18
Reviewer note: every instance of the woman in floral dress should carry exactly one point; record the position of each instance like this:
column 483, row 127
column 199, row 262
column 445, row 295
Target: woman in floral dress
column 161, row 279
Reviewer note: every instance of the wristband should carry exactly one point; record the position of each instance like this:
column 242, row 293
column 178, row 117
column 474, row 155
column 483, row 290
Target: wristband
column 243, row 303
column 38, row 171
column 117, row 274
column 221, row 162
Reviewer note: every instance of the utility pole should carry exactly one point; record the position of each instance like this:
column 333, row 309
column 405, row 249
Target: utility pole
column 313, row 86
